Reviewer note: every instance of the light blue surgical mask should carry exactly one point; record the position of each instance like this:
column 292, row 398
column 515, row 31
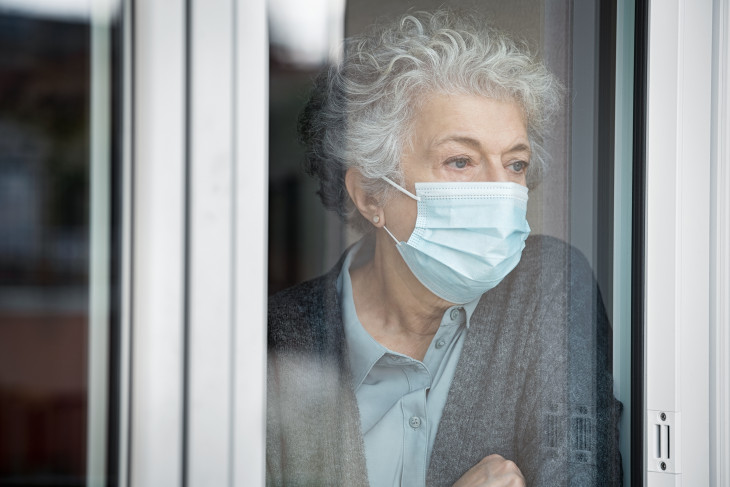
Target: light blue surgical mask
column 468, row 236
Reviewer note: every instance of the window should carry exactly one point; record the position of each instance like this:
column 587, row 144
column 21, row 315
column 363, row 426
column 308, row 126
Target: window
column 59, row 255
column 584, row 197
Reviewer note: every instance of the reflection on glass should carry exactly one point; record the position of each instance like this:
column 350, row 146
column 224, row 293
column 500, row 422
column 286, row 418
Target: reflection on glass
column 298, row 49
column 306, row 34
column 44, row 170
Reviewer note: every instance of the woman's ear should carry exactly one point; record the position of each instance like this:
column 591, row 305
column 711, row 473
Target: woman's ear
column 365, row 203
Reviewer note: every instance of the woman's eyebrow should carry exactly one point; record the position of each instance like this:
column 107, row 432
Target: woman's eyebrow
column 462, row 139
column 519, row 147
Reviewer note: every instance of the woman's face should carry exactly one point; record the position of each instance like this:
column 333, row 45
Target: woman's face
column 460, row 138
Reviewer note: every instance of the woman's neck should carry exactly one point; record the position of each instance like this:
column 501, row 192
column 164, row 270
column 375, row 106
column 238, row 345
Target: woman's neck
column 392, row 305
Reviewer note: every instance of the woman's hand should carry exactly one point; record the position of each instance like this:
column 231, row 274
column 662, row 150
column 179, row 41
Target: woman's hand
column 492, row 471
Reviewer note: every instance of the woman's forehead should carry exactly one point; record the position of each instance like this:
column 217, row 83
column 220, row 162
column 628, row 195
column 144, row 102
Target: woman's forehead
column 466, row 118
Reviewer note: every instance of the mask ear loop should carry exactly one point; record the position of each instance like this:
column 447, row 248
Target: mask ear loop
column 399, row 188
column 397, row 242
column 404, row 191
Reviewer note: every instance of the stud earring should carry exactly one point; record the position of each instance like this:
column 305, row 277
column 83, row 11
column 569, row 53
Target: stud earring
column 376, row 219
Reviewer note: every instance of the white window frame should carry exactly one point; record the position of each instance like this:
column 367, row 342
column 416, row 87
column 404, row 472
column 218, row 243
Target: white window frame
column 158, row 221
column 197, row 310
column 720, row 251
column 686, row 250
column 193, row 402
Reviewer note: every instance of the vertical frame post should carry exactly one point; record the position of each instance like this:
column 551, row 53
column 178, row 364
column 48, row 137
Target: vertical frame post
column 100, row 248
column 677, row 237
column 250, row 237
column 157, row 425
column 720, row 251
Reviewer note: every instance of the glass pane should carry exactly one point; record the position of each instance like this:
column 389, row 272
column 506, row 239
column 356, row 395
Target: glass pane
column 566, row 425
column 46, row 110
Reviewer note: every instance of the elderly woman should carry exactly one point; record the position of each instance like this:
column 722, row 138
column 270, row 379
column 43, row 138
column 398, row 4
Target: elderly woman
column 446, row 347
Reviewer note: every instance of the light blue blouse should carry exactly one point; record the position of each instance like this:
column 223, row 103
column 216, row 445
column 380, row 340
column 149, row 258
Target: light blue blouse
column 400, row 399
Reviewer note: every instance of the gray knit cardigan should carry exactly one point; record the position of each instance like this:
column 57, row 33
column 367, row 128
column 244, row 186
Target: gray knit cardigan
column 533, row 383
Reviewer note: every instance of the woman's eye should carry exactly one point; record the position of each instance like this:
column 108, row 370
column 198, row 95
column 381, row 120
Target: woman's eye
column 460, row 163
column 519, row 166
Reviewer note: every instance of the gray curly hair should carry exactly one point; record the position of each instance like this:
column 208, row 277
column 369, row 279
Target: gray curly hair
column 360, row 111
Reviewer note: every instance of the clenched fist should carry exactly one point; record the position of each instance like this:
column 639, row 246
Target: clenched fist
column 492, row 471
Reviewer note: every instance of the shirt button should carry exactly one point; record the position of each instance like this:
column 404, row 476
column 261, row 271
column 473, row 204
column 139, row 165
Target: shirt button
column 454, row 314
column 415, row 422
column 440, row 343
